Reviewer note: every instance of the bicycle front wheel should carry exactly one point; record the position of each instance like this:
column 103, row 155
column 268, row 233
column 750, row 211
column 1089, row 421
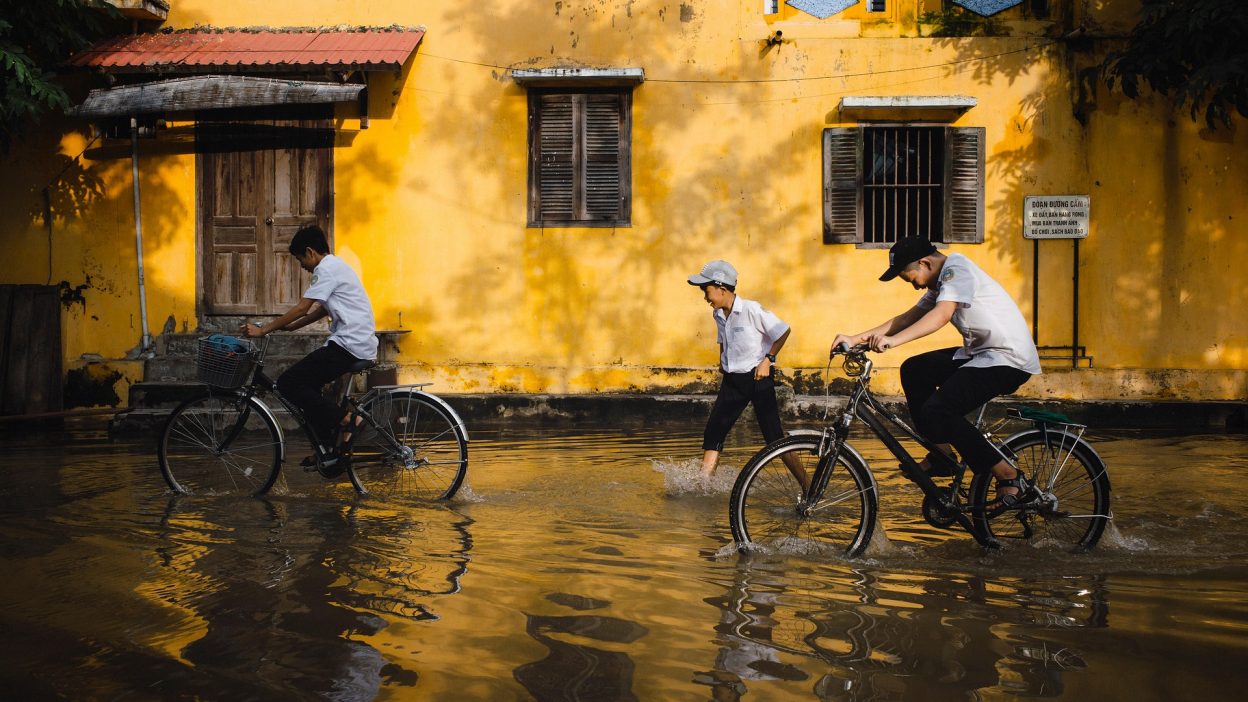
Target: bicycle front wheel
column 220, row 445
column 765, row 507
column 1071, row 508
column 409, row 446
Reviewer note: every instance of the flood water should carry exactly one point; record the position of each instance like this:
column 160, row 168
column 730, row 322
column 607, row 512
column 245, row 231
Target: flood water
column 591, row 564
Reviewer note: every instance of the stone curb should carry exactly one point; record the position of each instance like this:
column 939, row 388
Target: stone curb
column 626, row 408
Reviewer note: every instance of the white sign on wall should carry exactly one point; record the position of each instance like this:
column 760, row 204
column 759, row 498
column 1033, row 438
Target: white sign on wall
column 1056, row 216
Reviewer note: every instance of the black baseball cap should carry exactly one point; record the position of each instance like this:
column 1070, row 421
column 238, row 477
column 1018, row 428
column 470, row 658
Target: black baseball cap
column 904, row 252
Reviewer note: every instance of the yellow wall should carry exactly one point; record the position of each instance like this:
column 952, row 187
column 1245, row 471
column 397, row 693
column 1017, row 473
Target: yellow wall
column 430, row 200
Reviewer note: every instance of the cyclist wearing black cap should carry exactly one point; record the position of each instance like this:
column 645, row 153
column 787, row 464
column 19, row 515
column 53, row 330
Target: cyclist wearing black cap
column 997, row 355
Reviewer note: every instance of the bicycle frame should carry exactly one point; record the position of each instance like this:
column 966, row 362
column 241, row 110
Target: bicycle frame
column 253, row 390
column 865, row 407
column 358, row 409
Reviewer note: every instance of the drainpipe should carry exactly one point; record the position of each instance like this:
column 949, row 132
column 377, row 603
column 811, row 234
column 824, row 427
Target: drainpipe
column 138, row 233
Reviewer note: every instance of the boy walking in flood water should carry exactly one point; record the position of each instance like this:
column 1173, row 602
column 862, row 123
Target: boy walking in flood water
column 749, row 339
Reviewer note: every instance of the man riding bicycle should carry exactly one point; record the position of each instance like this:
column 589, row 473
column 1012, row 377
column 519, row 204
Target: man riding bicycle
column 941, row 387
column 335, row 292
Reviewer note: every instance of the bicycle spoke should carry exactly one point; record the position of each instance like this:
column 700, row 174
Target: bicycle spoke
column 413, row 449
column 194, row 459
column 766, row 501
column 1071, row 507
column 852, row 493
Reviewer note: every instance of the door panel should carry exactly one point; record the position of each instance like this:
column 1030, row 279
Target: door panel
column 252, row 203
column 233, row 230
column 297, row 187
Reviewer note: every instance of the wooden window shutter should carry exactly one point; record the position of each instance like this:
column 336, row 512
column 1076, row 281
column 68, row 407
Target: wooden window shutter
column 606, row 162
column 964, row 185
column 579, row 170
column 842, row 185
column 554, row 153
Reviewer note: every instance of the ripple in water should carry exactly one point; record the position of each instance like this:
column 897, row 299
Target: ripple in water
column 682, row 478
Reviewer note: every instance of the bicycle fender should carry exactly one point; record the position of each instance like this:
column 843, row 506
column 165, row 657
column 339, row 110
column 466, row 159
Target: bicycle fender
column 463, row 428
column 1083, row 444
column 847, row 447
column 258, row 406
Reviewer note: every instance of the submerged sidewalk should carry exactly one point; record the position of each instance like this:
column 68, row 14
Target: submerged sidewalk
column 1178, row 416
column 801, row 410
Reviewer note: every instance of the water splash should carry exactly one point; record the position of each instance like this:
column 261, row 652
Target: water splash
column 880, row 544
column 794, row 546
column 466, row 495
column 681, row 478
column 1115, row 540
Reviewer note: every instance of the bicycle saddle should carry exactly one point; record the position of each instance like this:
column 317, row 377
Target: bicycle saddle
column 361, row 366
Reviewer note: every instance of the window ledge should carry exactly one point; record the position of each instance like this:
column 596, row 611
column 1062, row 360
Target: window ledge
column 903, row 107
column 577, row 77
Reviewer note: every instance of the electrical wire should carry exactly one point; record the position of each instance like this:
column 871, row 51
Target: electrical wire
column 748, row 81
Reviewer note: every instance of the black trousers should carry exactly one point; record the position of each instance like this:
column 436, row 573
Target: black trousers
column 940, row 393
column 736, row 390
column 303, row 385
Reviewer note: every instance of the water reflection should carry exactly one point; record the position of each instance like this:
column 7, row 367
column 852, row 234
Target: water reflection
column 894, row 636
column 591, row 565
column 575, row 669
column 285, row 596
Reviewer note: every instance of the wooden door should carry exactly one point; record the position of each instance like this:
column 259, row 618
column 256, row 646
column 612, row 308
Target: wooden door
column 30, row 349
column 257, row 188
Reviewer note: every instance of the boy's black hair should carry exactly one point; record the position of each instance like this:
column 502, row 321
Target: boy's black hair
column 309, row 237
column 730, row 288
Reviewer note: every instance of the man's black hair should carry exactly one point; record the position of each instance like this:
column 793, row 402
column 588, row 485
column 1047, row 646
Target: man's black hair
column 309, row 237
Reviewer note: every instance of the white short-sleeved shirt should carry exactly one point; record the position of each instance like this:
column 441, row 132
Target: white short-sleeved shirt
column 338, row 288
column 745, row 335
column 994, row 332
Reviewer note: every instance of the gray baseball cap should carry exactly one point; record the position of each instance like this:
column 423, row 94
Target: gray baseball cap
column 718, row 272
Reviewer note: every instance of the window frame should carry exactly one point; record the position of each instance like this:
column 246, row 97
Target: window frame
column 583, row 216
column 962, row 183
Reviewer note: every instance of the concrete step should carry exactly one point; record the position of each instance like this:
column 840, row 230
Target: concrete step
column 296, row 344
column 162, row 395
column 164, row 369
column 180, row 383
column 133, row 422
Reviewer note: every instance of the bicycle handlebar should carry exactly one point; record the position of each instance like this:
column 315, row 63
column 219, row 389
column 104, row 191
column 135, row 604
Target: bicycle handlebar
column 844, row 349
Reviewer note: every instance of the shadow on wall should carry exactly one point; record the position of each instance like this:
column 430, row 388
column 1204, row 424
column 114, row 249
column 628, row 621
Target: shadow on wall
column 578, row 282
column 1159, row 245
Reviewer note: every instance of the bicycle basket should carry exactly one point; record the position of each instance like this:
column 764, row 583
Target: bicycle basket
column 225, row 361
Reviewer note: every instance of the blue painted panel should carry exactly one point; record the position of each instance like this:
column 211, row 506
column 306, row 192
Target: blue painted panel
column 822, row 9
column 986, row 8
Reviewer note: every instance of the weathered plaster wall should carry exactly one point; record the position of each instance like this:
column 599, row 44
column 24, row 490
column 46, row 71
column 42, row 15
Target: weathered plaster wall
column 430, row 201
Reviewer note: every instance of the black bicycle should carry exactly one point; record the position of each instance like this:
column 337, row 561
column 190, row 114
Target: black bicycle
column 406, row 443
column 1067, row 503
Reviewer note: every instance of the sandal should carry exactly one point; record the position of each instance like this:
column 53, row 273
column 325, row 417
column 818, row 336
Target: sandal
column 1007, row 500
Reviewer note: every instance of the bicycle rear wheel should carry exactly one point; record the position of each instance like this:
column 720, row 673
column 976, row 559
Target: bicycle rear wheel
column 765, row 504
column 410, row 446
column 220, row 445
column 1072, row 509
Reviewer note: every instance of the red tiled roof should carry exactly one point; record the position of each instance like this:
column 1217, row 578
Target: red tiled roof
column 194, row 51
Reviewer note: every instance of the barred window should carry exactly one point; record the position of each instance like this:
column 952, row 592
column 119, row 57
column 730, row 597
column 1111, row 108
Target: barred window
column 882, row 183
column 580, row 158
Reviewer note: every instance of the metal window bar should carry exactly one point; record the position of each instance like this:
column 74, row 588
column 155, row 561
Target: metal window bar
column 903, row 189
